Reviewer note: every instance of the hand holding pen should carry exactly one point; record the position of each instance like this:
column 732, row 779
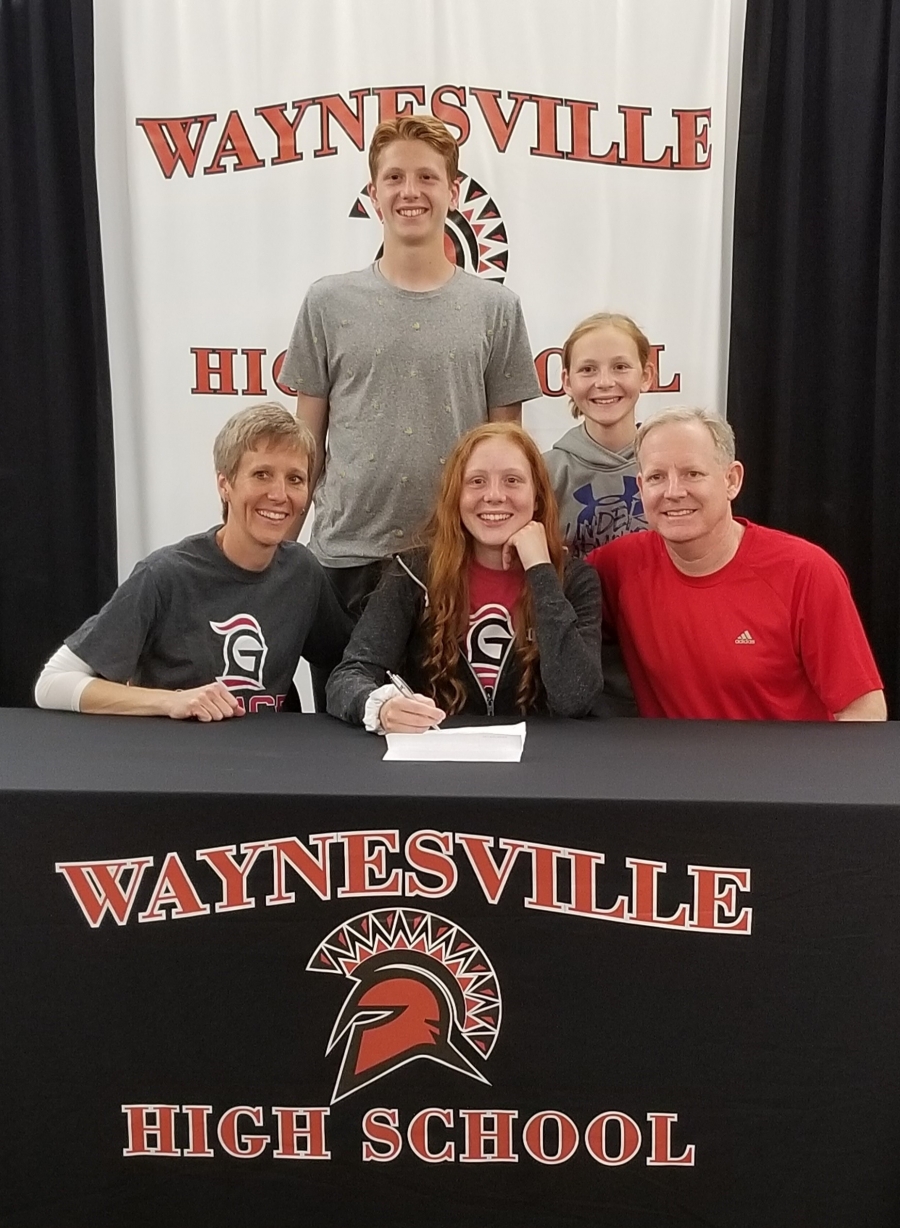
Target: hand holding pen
column 408, row 712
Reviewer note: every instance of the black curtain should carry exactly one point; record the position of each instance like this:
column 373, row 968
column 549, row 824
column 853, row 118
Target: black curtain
column 814, row 378
column 57, row 530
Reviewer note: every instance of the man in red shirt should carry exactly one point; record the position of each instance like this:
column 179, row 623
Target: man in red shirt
column 719, row 618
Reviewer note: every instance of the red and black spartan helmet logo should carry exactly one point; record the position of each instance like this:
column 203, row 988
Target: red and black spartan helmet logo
column 474, row 234
column 421, row 988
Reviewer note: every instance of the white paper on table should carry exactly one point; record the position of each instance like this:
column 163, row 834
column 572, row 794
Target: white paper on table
column 472, row 744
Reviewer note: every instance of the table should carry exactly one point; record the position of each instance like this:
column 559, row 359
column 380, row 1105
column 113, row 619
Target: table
column 251, row 976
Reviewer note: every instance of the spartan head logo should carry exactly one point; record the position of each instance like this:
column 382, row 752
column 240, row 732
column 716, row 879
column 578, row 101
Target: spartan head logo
column 474, row 234
column 245, row 651
column 420, row 988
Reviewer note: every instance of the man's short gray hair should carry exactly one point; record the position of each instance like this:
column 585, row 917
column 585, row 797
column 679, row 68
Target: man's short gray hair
column 722, row 434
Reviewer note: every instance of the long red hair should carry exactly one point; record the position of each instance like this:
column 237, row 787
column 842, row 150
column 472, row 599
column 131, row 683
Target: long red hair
column 450, row 549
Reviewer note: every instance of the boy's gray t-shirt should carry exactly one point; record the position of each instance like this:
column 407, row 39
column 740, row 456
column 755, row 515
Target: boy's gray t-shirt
column 406, row 373
column 187, row 615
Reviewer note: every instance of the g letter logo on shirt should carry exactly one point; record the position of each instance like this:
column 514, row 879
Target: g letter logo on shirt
column 245, row 650
column 488, row 641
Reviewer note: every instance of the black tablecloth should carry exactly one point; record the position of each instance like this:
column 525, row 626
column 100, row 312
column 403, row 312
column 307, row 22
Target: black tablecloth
column 661, row 953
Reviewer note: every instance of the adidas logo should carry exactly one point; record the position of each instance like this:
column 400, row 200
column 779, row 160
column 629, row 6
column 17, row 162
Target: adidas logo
column 745, row 638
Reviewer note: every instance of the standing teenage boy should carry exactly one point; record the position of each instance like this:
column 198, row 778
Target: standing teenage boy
column 395, row 362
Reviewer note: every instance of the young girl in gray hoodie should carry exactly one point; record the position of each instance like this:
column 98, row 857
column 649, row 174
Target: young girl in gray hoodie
column 606, row 367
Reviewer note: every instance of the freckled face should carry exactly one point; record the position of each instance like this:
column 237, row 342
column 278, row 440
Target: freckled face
column 497, row 496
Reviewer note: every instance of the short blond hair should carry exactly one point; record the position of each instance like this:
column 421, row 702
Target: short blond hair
column 248, row 429
column 722, row 434
column 415, row 128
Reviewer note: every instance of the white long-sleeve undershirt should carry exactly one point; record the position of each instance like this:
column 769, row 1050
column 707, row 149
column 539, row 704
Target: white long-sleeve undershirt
column 62, row 682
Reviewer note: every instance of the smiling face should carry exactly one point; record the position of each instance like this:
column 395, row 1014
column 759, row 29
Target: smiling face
column 412, row 194
column 497, row 497
column 604, row 380
column 265, row 501
column 686, row 487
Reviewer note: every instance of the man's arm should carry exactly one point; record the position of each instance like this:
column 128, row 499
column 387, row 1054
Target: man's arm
column 503, row 413
column 868, row 707
column 313, row 411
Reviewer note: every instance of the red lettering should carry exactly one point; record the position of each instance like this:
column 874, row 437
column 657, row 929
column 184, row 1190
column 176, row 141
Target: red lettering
column 204, row 371
column 198, row 1131
column 542, row 367
column 364, row 857
column 535, row 1143
column 98, row 886
column 259, row 702
column 313, row 867
column 715, row 903
column 389, row 105
column 584, row 888
column 661, row 1142
column 596, row 1139
column 581, row 135
column 693, row 134
column 491, row 879
column 499, row 1138
column 645, row 885
column 333, row 107
column 242, row 1146
column 173, row 887
column 500, row 128
column 170, row 140
column 547, row 145
column 447, row 113
column 418, row 1136
column 232, row 874
column 635, row 151
column 285, row 129
column 254, row 385
column 655, row 386
column 312, row 1132
column 438, row 863
column 276, row 372
column 146, row 1120
column 234, row 143
column 380, row 1127
column 544, row 879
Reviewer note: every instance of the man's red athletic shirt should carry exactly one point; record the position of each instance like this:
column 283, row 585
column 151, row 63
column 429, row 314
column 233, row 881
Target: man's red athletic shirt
column 772, row 635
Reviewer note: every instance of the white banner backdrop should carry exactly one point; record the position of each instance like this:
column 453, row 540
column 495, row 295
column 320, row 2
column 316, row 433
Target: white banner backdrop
column 598, row 146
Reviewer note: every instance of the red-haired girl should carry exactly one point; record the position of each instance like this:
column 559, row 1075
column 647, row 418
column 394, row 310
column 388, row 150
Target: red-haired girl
column 490, row 616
